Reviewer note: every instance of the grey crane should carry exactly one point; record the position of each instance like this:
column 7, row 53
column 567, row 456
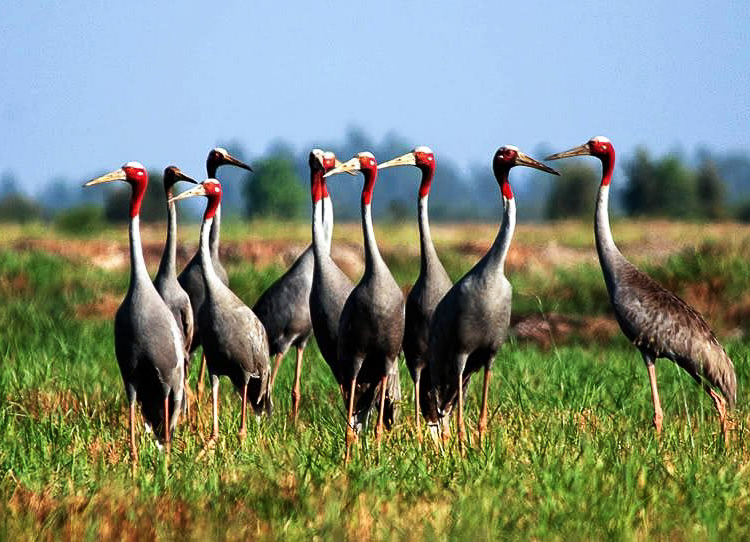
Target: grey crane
column 191, row 278
column 233, row 338
column 330, row 286
column 660, row 324
column 284, row 308
column 148, row 343
column 430, row 287
column 471, row 322
column 165, row 280
column 371, row 327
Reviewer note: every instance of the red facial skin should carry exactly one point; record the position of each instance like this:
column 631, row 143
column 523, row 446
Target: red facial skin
column 604, row 151
column 213, row 193
column 426, row 163
column 369, row 167
column 504, row 159
column 318, row 188
column 138, row 179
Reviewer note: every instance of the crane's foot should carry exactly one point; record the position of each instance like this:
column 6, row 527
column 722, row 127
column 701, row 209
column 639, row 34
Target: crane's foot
column 295, row 405
column 208, row 446
column 351, row 438
column 658, row 417
column 242, row 435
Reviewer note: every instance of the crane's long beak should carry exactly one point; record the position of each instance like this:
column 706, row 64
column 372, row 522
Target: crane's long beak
column 198, row 190
column 340, row 163
column 117, row 175
column 180, row 176
column 349, row 166
column 525, row 160
column 407, row 159
column 233, row 161
column 580, row 150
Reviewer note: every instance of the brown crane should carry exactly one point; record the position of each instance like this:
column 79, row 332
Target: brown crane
column 232, row 336
column 430, row 287
column 191, row 278
column 660, row 324
column 148, row 343
column 371, row 327
column 471, row 322
column 165, row 280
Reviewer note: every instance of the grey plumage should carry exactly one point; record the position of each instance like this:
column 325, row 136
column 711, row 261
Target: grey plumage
column 191, row 278
column 371, row 327
column 471, row 321
column 658, row 322
column 430, row 287
column 148, row 344
column 165, row 280
column 233, row 338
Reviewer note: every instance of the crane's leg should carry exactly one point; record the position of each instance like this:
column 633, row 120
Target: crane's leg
column 186, row 397
column 211, row 442
column 379, row 426
column 461, row 428
column 721, row 408
column 417, row 421
column 133, row 448
column 296, row 393
column 350, row 436
column 201, row 372
column 276, row 364
column 167, row 444
column 243, row 428
column 483, row 415
column 658, row 414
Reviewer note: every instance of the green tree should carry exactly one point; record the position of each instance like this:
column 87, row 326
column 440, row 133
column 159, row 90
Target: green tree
column 664, row 187
column 711, row 190
column 573, row 193
column 274, row 190
column 15, row 207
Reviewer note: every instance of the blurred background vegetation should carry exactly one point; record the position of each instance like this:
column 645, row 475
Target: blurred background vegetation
column 704, row 185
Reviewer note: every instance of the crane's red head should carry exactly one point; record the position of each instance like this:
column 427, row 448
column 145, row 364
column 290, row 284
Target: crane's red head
column 172, row 175
column 598, row 146
column 317, row 162
column 220, row 157
column 211, row 189
column 366, row 163
column 509, row 156
column 421, row 157
column 133, row 173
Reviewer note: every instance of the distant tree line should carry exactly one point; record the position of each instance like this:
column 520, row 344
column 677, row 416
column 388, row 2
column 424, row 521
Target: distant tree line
column 707, row 186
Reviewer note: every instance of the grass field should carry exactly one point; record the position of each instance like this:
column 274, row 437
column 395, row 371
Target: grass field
column 571, row 452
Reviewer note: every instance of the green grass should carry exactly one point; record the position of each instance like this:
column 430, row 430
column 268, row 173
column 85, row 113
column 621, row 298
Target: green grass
column 571, row 453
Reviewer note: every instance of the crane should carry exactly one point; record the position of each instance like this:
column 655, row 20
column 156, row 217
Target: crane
column 660, row 324
column 371, row 327
column 233, row 338
column 431, row 285
column 148, row 343
column 471, row 322
column 284, row 309
column 191, row 278
column 165, row 280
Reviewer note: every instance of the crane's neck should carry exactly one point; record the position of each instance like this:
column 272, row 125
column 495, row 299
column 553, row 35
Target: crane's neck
column 168, row 266
column 209, row 273
column 427, row 252
column 320, row 199
column 608, row 253
column 138, row 271
column 328, row 219
column 214, row 234
column 495, row 258
column 372, row 255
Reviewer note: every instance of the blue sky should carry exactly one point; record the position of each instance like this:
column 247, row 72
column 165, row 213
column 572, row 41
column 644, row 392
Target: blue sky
column 87, row 86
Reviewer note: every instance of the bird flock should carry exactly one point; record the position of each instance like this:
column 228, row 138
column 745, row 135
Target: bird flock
column 446, row 331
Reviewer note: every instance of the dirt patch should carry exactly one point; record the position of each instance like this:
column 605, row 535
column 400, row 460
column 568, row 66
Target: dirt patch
column 103, row 308
column 560, row 329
